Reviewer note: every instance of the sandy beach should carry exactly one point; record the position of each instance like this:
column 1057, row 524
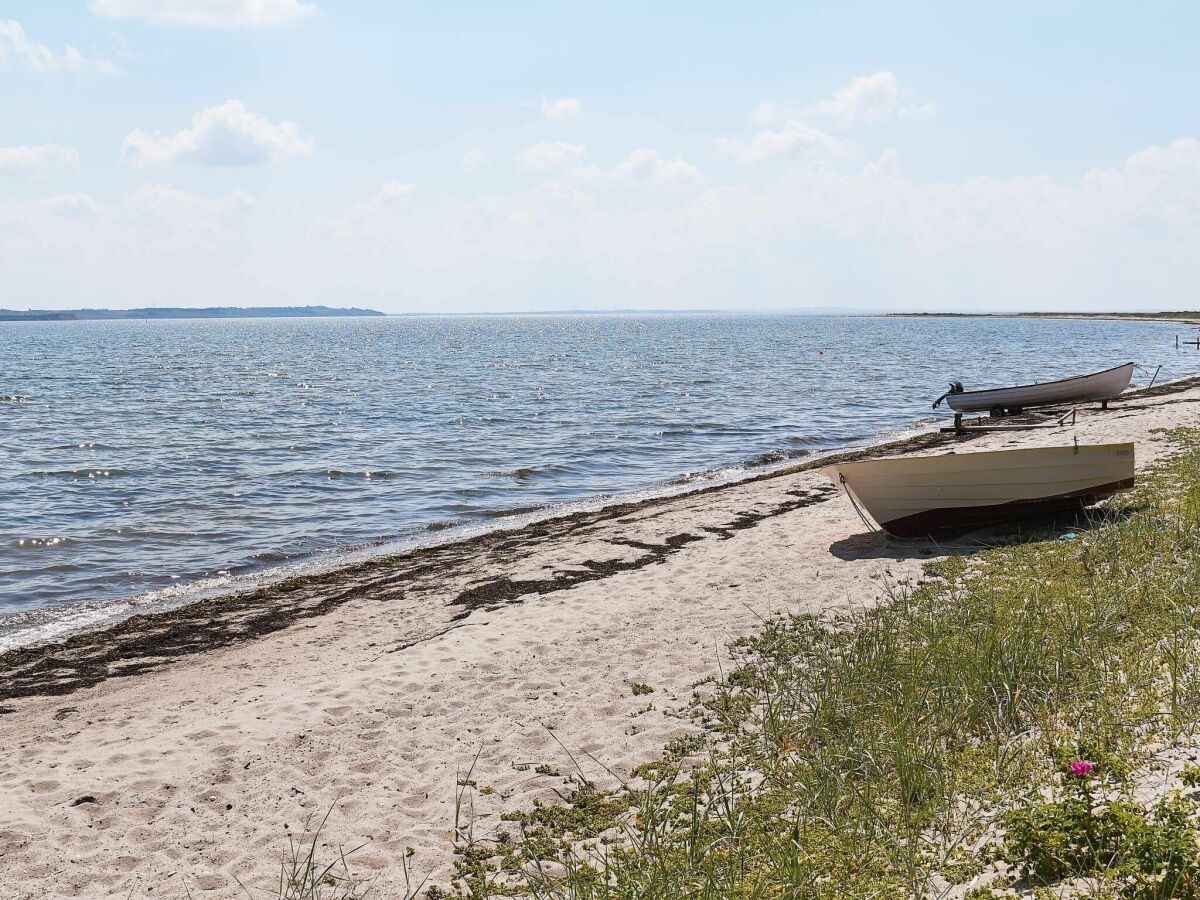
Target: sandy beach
column 184, row 748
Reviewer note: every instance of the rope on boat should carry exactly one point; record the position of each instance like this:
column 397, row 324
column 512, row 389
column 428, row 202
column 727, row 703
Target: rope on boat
column 1154, row 377
column 854, row 503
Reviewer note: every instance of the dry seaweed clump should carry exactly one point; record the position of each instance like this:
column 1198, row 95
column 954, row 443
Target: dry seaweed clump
column 924, row 746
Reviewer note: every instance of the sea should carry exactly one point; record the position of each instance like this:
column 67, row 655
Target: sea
column 148, row 463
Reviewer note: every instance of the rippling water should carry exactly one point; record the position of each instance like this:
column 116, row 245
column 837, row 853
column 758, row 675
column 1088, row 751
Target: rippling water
column 142, row 456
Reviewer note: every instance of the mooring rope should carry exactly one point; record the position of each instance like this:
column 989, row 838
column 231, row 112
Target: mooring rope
column 854, row 503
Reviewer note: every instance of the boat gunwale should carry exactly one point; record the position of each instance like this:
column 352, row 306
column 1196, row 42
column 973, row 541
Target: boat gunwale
column 1074, row 447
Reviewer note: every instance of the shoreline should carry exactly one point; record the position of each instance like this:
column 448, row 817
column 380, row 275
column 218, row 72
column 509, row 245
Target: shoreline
column 164, row 634
column 231, row 617
column 433, row 535
column 184, row 749
column 1079, row 317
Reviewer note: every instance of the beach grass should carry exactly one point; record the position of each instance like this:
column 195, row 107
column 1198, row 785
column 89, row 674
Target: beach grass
column 307, row 874
column 929, row 745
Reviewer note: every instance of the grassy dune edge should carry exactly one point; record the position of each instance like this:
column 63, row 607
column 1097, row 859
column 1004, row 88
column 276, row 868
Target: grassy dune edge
column 1015, row 722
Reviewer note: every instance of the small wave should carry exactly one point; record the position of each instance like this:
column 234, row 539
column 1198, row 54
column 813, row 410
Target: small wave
column 439, row 526
column 363, row 473
column 512, row 511
column 77, row 474
column 37, row 543
column 522, row 473
column 688, row 478
column 86, row 445
column 271, row 556
column 776, row 456
column 727, row 473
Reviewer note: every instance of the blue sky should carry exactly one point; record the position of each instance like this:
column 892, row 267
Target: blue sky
column 476, row 156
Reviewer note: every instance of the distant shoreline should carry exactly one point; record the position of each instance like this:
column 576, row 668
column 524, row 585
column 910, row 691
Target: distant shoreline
column 1185, row 317
column 1188, row 317
column 180, row 312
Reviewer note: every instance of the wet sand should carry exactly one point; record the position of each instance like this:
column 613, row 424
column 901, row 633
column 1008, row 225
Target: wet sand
column 185, row 747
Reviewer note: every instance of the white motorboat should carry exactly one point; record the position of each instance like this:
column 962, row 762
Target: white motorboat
column 1078, row 389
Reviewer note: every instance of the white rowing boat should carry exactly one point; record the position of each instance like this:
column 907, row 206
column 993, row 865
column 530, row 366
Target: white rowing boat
column 1079, row 389
column 919, row 496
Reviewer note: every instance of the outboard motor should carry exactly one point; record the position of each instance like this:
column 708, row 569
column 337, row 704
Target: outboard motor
column 956, row 387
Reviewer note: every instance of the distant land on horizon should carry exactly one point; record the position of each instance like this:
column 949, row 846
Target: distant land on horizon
column 1113, row 314
column 236, row 312
column 180, row 312
column 281, row 312
column 249, row 312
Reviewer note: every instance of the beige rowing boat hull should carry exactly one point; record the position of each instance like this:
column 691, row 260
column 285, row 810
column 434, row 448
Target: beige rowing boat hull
column 916, row 496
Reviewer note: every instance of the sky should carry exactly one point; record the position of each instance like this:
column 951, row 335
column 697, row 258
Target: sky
column 486, row 157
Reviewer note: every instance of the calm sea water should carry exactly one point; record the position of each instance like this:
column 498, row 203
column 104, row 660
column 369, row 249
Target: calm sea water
column 141, row 458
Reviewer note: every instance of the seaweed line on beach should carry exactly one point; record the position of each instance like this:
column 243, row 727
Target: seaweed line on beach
column 499, row 591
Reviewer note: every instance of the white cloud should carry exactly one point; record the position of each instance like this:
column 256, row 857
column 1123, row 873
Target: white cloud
column 393, row 192
column 207, row 13
column 157, row 230
column 70, row 206
column 865, row 100
column 549, row 154
column 887, row 166
column 561, row 109
column 34, row 159
column 225, row 135
column 868, row 98
column 165, row 203
column 794, row 137
column 813, row 234
column 16, row 46
column 1010, row 230
column 474, row 160
column 369, row 215
column 1179, row 156
column 808, row 233
column 770, row 111
column 645, row 164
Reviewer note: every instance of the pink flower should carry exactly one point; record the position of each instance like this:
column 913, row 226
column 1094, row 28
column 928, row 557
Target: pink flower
column 1081, row 768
